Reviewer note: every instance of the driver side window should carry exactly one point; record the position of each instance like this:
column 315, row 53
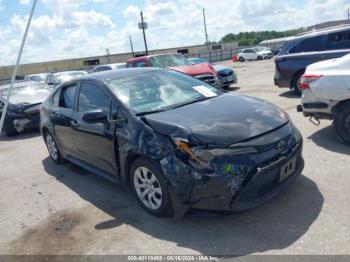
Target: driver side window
column 92, row 97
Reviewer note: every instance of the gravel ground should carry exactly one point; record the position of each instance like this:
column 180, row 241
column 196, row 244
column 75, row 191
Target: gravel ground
column 50, row 209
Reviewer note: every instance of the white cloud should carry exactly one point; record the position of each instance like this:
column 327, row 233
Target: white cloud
column 73, row 27
column 24, row 2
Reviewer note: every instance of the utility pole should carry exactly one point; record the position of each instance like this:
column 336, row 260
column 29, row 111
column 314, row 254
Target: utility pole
column 4, row 111
column 143, row 26
column 205, row 30
column 132, row 47
column 108, row 55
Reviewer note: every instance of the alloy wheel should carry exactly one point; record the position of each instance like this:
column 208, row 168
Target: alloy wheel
column 148, row 188
column 52, row 147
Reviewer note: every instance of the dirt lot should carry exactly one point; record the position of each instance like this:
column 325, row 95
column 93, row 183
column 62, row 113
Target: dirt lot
column 50, row 209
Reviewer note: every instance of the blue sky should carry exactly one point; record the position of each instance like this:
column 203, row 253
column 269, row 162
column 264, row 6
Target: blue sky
column 76, row 28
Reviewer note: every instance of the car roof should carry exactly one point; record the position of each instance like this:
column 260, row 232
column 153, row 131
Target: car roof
column 67, row 72
column 149, row 56
column 21, row 83
column 323, row 31
column 119, row 73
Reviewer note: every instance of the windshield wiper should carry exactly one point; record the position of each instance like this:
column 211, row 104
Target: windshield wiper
column 150, row 112
column 173, row 107
column 192, row 102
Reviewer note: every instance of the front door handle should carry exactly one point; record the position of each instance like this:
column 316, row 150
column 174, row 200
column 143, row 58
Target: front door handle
column 75, row 124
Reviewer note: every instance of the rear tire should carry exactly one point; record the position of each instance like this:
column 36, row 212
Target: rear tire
column 241, row 59
column 341, row 123
column 296, row 83
column 53, row 149
column 150, row 187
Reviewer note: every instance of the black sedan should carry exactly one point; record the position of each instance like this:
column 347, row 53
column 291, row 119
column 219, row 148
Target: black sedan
column 178, row 142
column 23, row 111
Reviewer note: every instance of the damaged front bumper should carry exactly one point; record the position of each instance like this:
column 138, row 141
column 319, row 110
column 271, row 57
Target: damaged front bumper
column 229, row 187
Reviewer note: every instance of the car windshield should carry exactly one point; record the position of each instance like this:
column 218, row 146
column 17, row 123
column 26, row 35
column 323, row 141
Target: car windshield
column 164, row 61
column 38, row 78
column 68, row 76
column 197, row 60
column 160, row 91
column 25, row 89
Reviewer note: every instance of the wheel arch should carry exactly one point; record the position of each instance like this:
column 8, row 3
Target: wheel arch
column 295, row 76
column 340, row 105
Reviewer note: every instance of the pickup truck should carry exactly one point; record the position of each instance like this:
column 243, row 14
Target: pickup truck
column 178, row 62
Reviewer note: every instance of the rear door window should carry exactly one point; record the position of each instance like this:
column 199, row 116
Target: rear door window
column 67, row 96
column 340, row 40
column 309, row 45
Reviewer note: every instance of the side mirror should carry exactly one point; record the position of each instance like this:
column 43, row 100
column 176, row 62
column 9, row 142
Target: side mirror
column 95, row 116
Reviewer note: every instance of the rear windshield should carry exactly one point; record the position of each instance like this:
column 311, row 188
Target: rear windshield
column 165, row 61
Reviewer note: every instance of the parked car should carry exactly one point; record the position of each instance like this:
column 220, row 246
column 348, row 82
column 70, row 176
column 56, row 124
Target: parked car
column 37, row 77
column 226, row 74
column 307, row 49
column 23, row 110
column 178, row 142
column 254, row 54
column 55, row 79
column 326, row 94
column 178, row 62
column 106, row 67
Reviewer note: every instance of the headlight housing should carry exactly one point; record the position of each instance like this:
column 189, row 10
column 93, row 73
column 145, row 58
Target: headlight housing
column 201, row 155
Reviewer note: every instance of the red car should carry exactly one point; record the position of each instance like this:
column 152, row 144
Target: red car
column 178, row 62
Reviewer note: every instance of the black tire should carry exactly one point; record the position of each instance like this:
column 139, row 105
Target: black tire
column 260, row 57
column 165, row 207
column 10, row 130
column 241, row 59
column 296, row 83
column 341, row 123
column 57, row 158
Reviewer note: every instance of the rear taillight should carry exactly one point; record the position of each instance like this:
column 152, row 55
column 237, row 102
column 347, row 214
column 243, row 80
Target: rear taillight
column 306, row 80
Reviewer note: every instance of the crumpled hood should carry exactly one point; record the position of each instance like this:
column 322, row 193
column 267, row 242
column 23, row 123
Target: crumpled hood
column 29, row 96
column 223, row 120
column 194, row 70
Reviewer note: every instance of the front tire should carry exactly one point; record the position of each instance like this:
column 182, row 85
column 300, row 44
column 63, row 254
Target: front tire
column 341, row 123
column 150, row 187
column 53, row 149
column 260, row 58
column 241, row 59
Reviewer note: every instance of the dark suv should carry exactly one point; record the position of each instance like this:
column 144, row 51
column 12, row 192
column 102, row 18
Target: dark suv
column 306, row 49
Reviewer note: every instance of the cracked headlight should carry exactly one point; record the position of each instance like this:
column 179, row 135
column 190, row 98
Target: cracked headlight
column 202, row 155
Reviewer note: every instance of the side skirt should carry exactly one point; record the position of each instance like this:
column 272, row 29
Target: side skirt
column 112, row 178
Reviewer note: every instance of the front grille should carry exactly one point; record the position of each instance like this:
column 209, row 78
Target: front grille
column 210, row 79
column 225, row 73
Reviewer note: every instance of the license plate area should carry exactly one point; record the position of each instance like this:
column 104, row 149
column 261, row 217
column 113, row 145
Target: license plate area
column 288, row 169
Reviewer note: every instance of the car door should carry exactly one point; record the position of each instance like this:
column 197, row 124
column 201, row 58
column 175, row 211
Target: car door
column 95, row 142
column 62, row 117
column 251, row 54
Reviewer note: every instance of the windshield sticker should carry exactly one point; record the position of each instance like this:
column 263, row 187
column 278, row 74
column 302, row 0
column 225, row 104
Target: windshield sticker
column 205, row 91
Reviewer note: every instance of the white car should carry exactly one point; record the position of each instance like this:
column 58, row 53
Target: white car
column 255, row 53
column 326, row 94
